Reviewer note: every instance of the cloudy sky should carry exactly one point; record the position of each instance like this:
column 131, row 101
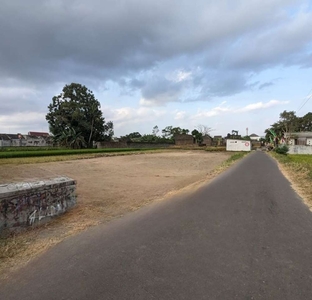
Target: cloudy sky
column 226, row 64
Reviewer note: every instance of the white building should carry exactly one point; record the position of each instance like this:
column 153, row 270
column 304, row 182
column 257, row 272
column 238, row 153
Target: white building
column 303, row 138
column 254, row 137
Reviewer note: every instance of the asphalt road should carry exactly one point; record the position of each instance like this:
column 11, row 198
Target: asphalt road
column 246, row 235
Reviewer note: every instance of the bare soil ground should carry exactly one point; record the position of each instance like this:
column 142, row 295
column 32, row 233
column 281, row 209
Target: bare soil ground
column 107, row 187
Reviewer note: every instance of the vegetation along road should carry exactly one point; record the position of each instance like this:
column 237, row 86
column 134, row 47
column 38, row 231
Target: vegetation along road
column 246, row 235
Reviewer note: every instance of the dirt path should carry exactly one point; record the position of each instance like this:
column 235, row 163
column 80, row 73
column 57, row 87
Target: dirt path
column 107, row 188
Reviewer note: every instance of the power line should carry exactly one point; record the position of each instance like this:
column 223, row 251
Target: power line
column 304, row 102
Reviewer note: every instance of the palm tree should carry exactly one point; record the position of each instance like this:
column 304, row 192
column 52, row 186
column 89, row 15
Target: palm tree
column 70, row 138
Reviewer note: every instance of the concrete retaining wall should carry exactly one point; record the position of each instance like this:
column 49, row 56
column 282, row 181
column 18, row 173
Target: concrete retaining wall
column 28, row 203
column 298, row 149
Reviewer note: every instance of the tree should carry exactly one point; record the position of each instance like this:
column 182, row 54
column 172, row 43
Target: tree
column 76, row 112
column 198, row 136
column 288, row 122
column 155, row 130
column 170, row 131
column 305, row 122
column 131, row 136
column 203, row 129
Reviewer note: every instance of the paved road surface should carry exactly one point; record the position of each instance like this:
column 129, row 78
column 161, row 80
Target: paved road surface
column 246, row 235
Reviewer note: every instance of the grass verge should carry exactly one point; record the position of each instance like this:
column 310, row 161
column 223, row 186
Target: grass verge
column 298, row 169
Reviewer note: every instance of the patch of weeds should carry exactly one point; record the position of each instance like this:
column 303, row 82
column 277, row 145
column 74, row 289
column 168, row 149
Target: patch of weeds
column 236, row 156
column 298, row 169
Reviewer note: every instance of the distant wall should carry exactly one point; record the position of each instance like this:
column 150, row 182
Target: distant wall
column 100, row 145
column 238, row 145
column 29, row 203
column 184, row 139
column 131, row 145
column 148, row 145
column 298, row 149
column 5, row 143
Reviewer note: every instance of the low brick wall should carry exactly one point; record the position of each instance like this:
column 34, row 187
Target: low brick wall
column 298, row 149
column 29, row 203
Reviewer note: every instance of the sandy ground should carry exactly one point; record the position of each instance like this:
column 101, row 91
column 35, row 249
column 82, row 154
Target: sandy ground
column 108, row 187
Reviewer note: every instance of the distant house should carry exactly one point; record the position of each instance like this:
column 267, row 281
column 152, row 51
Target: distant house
column 183, row 139
column 38, row 134
column 11, row 140
column 20, row 140
column 38, row 139
column 207, row 140
column 254, row 137
column 218, row 140
column 4, row 140
column 299, row 138
column 16, row 139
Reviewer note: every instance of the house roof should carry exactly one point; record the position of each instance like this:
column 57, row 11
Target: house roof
column 302, row 134
column 254, row 135
column 13, row 136
column 4, row 137
column 35, row 133
column 32, row 137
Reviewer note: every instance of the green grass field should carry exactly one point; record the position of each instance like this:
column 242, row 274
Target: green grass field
column 302, row 161
column 60, row 152
column 297, row 162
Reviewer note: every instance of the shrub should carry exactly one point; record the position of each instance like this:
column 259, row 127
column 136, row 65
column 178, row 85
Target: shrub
column 282, row 150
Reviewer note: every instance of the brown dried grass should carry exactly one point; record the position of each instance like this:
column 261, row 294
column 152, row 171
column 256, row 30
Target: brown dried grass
column 17, row 250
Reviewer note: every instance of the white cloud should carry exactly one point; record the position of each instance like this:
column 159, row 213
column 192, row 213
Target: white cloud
column 23, row 122
column 260, row 105
column 179, row 75
column 125, row 116
column 212, row 112
column 179, row 115
column 224, row 110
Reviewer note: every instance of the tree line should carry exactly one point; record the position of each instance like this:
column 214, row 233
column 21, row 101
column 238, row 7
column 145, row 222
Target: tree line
column 167, row 134
column 288, row 123
column 76, row 121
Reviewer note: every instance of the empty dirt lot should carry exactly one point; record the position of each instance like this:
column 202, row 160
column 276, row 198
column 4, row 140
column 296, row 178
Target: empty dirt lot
column 107, row 187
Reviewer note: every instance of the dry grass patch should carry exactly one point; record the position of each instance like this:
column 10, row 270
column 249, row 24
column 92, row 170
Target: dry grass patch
column 108, row 187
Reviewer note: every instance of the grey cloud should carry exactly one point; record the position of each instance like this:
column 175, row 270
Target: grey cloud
column 109, row 38
column 47, row 43
column 265, row 85
column 160, row 91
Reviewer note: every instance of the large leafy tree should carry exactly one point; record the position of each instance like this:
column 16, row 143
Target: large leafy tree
column 169, row 131
column 305, row 123
column 75, row 118
column 288, row 123
column 198, row 136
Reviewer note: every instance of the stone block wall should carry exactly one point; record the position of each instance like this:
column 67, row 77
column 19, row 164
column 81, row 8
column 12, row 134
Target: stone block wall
column 299, row 149
column 29, row 203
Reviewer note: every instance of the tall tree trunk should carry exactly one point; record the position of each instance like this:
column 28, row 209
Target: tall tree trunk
column 91, row 132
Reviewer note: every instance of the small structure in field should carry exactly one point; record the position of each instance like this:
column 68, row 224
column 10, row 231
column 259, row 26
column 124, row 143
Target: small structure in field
column 238, row 145
column 184, row 139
